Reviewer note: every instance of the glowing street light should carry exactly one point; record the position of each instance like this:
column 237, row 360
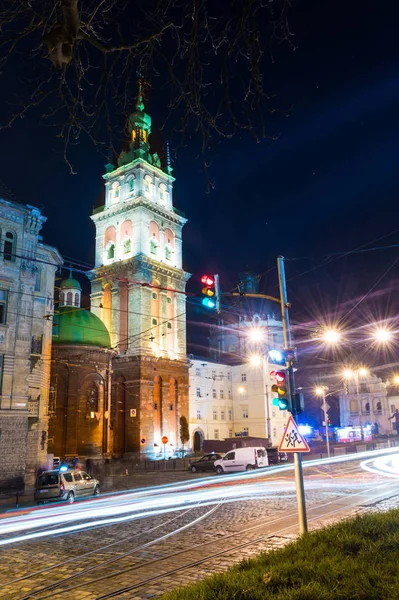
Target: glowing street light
column 241, row 390
column 255, row 360
column 383, row 335
column 396, row 380
column 255, row 334
column 319, row 391
column 331, row 336
column 347, row 374
column 363, row 372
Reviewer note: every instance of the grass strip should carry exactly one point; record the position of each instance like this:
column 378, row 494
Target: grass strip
column 357, row 559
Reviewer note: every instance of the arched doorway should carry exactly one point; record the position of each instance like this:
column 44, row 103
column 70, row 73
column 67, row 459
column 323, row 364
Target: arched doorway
column 197, row 441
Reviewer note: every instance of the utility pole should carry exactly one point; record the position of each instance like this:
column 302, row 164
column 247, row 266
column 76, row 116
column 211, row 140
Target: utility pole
column 300, row 490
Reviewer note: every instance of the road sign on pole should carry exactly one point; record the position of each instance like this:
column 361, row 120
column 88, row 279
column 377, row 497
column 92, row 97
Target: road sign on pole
column 292, row 440
column 300, row 488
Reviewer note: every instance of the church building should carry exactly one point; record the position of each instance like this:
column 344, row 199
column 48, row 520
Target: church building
column 138, row 291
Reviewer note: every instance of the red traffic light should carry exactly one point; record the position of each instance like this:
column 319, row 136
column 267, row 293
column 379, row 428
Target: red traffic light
column 279, row 376
column 207, row 280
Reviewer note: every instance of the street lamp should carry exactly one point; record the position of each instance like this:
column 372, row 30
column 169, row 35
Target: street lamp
column 321, row 391
column 331, row 336
column 383, row 335
column 256, row 360
column 255, row 334
column 396, row 380
column 355, row 374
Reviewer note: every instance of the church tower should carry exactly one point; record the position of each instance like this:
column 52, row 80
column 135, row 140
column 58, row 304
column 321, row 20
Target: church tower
column 138, row 290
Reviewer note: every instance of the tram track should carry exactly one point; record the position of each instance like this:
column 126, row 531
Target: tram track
column 354, row 499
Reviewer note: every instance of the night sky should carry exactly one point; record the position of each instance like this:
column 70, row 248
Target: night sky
column 328, row 184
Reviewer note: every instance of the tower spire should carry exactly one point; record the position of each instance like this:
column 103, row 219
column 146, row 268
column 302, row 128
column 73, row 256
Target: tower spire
column 140, row 103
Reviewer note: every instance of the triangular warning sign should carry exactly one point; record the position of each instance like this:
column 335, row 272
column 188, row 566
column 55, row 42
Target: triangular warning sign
column 292, row 441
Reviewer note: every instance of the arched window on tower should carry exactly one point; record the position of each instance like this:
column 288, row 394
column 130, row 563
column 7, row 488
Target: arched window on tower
column 9, row 246
column 169, row 245
column 131, row 184
column 62, row 298
column 69, row 299
column 115, row 191
column 148, row 186
column 76, row 299
column 109, row 244
column 126, row 237
column 154, row 238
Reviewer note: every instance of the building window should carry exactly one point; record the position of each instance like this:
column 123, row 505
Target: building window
column 154, row 296
column 147, row 186
column 221, row 394
column 378, row 407
column 230, row 415
column 131, row 185
column 155, row 405
column 245, row 431
column 1, row 372
column 169, row 325
column 229, row 394
column 214, row 395
column 198, row 372
column 215, row 415
column 168, row 253
column 243, row 376
column 274, row 432
column 216, row 434
column 169, row 300
column 367, row 408
column 162, row 192
column 245, row 413
column 36, row 344
column 155, row 321
column 364, row 388
column 3, row 305
column 171, row 406
column 127, row 246
column 229, row 376
column 199, row 415
column 9, row 247
column 153, row 247
column 213, row 374
column 38, row 278
column 69, row 299
column 222, row 415
column 111, row 252
column 198, row 392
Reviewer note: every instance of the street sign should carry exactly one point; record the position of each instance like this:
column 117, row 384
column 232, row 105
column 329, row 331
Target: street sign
column 143, row 440
column 133, row 412
column 164, row 439
column 292, row 441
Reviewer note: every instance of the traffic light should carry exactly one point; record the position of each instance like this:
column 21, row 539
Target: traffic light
column 280, row 388
column 210, row 290
column 277, row 357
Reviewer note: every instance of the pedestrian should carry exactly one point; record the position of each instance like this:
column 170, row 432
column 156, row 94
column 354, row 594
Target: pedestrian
column 89, row 466
column 396, row 417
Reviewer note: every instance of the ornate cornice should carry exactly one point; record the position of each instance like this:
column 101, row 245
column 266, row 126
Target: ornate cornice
column 138, row 202
column 125, row 267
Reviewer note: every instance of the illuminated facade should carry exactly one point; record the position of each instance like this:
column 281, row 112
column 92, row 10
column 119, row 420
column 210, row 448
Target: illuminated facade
column 138, row 290
column 230, row 400
column 27, row 272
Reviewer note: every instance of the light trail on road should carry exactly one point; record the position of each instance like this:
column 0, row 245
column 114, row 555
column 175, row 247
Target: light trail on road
column 114, row 509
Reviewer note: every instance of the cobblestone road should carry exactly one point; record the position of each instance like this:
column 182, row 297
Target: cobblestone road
column 123, row 555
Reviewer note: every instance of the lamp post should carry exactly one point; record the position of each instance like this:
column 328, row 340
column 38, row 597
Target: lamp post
column 321, row 391
column 356, row 374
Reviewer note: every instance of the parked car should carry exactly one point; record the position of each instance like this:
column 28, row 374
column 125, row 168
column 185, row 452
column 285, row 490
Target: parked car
column 57, row 485
column 242, row 459
column 205, row 463
column 275, row 457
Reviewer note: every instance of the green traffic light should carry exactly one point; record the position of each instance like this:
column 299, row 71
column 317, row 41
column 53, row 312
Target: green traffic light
column 282, row 403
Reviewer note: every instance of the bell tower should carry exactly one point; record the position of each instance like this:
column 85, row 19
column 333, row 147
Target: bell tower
column 138, row 290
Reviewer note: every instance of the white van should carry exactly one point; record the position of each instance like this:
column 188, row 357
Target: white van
column 242, row 459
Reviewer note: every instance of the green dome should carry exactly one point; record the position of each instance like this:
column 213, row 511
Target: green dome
column 70, row 283
column 78, row 326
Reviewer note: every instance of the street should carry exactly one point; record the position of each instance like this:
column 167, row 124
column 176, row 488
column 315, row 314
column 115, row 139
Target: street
column 142, row 543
